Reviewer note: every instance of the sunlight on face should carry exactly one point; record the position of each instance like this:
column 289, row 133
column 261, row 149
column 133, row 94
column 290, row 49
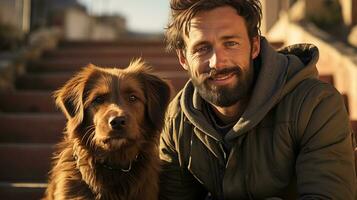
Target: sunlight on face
column 219, row 56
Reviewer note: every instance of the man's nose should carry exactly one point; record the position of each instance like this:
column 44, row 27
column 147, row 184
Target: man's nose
column 217, row 59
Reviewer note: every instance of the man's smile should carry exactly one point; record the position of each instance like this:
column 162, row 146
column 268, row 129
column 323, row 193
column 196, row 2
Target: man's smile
column 222, row 79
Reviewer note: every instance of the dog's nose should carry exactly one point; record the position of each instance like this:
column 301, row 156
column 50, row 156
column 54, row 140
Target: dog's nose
column 117, row 123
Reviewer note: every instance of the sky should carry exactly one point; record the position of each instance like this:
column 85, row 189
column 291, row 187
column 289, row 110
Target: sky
column 146, row 16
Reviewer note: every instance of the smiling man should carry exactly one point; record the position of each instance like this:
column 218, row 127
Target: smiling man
column 252, row 123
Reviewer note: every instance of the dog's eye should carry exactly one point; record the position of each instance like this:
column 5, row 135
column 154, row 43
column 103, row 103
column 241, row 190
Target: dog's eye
column 133, row 98
column 99, row 99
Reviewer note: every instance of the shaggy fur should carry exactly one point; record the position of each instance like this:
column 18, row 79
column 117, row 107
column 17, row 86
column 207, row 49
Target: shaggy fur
column 110, row 148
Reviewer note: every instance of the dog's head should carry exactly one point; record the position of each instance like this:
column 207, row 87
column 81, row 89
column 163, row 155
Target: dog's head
column 109, row 108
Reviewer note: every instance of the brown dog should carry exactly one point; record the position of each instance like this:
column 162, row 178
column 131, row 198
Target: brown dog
column 110, row 149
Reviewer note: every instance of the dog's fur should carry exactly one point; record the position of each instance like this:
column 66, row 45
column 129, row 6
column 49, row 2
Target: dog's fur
column 110, row 147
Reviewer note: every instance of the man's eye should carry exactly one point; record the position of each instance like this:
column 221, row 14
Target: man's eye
column 133, row 98
column 231, row 43
column 202, row 49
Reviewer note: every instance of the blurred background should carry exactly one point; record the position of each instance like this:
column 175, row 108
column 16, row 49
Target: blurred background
column 43, row 42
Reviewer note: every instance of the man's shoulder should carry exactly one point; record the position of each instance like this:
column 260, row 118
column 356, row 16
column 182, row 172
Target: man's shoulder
column 306, row 96
column 312, row 97
column 312, row 88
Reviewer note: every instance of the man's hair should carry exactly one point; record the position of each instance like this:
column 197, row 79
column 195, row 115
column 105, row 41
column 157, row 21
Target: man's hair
column 182, row 11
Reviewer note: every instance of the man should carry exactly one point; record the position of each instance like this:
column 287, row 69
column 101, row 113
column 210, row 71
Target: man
column 251, row 123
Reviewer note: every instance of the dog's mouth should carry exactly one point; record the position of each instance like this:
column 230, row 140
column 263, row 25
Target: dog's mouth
column 114, row 142
column 114, row 135
column 113, row 139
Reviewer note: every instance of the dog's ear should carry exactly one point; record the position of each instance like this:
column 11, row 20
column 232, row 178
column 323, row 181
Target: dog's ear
column 69, row 98
column 158, row 92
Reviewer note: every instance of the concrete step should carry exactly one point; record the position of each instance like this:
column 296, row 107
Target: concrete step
column 27, row 101
column 31, row 128
column 52, row 80
column 43, row 81
column 73, row 64
column 328, row 78
column 21, row 191
column 25, row 162
column 108, row 52
column 134, row 42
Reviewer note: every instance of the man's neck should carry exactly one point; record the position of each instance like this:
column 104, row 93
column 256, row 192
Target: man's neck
column 231, row 113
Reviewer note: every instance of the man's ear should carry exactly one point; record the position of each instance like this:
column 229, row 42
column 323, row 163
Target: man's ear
column 182, row 58
column 255, row 46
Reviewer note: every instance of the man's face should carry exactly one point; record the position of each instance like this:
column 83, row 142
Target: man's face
column 218, row 56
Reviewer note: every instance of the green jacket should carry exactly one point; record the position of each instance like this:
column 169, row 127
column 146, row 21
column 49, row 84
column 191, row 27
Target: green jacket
column 293, row 141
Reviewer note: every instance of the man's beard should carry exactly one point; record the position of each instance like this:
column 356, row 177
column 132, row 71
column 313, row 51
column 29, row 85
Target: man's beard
column 224, row 96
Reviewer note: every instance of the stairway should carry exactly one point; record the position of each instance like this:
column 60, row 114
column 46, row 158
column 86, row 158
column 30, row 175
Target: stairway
column 30, row 123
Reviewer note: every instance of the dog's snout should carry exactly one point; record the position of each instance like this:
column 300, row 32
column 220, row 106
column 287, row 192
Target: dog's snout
column 118, row 122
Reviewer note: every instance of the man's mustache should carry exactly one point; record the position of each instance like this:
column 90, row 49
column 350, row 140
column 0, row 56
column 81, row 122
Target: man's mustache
column 213, row 72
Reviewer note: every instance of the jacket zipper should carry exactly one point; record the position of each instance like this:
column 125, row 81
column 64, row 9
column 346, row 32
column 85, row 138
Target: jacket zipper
column 247, row 187
column 199, row 180
column 247, row 182
column 224, row 153
column 246, row 177
column 221, row 170
column 226, row 162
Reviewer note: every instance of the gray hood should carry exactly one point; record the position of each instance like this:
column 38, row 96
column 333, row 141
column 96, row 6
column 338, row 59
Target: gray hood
column 279, row 73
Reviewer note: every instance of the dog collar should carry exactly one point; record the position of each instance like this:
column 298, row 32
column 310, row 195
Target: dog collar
column 115, row 168
column 107, row 166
